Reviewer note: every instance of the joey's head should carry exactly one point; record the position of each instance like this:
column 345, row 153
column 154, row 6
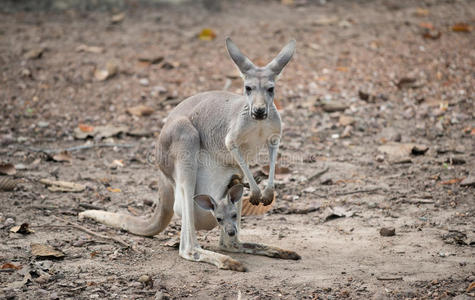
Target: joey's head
column 225, row 210
column 259, row 82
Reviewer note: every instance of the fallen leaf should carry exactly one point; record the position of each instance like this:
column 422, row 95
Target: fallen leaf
column 90, row 49
column 6, row 266
column 113, row 190
column 100, row 132
column 278, row 170
column 140, row 110
column 471, row 287
column 7, row 184
column 432, row 34
column 85, row 128
column 151, row 59
column 93, row 254
column 421, row 12
column 207, row 34
column 63, row 186
column 461, row 27
column 333, row 106
column 62, row 156
column 336, row 212
column 34, row 53
column 173, row 243
column 23, row 229
column 45, row 251
column 7, row 169
column 452, row 181
column 117, row 18
column 407, row 82
column 426, row 25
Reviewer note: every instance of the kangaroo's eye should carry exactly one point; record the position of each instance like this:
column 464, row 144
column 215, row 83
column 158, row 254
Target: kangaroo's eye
column 248, row 89
column 234, row 216
column 270, row 90
column 219, row 220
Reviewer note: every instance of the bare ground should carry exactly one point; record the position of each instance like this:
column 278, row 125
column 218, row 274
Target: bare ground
column 351, row 54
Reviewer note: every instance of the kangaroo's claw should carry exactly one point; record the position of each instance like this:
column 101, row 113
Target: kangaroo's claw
column 267, row 197
column 255, row 197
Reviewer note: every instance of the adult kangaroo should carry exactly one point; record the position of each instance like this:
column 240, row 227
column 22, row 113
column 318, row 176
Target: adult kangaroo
column 207, row 141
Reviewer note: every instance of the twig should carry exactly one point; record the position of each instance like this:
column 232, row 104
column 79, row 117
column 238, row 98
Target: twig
column 389, row 278
column 84, row 229
column 358, row 191
column 318, row 174
column 75, row 148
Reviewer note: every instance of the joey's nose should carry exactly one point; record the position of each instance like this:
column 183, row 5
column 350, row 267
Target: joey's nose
column 232, row 232
column 259, row 113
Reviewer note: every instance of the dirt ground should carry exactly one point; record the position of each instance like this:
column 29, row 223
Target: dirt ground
column 378, row 115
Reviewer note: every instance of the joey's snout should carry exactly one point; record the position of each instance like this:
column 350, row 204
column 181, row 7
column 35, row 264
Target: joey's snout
column 259, row 112
column 230, row 229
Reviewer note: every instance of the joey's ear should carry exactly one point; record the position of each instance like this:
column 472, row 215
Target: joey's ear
column 242, row 62
column 206, row 202
column 235, row 193
column 279, row 62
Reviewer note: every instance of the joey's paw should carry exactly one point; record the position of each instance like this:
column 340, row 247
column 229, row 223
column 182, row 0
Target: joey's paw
column 233, row 265
column 255, row 197
column 268, row 196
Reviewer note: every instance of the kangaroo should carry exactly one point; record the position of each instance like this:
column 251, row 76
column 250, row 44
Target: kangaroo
column 206, row 142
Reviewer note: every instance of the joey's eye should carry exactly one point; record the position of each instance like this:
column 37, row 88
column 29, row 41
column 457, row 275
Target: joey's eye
column 234, row 216
column 270, row 90
column 219, row 220
column 248, row 89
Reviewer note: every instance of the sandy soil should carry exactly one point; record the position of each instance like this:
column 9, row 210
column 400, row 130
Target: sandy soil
column 399, row 148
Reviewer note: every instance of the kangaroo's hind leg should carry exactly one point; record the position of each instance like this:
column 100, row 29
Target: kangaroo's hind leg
column 186, row 147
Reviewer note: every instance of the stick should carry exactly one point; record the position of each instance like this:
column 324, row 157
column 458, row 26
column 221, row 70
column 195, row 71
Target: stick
column 75, row 148
column 389, row 278
column 318, row 174
column 358, row 191
column 84, row 229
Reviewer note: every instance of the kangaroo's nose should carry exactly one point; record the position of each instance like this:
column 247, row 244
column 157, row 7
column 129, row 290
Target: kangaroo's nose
column 259, row 113
column 231, row 232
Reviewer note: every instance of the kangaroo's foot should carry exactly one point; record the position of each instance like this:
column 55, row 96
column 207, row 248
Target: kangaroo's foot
column 258, row 249
column 219, row 260
column 267, row 196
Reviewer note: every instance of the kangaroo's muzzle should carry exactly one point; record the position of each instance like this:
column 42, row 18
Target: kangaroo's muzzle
column 259, row 113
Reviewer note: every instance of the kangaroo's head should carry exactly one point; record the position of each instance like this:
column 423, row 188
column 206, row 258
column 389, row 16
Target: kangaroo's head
column 259, row 81
column 225, row 211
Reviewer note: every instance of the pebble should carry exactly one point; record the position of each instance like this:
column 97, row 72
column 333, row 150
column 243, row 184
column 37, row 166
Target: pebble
column 43, row 124
column 144, row 82
column 387, row 231
column 8, row 222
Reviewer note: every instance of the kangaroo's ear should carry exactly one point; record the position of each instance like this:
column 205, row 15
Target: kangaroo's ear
column 243, row 63
column 281, row 60
column 206, row 202
column 235, row 193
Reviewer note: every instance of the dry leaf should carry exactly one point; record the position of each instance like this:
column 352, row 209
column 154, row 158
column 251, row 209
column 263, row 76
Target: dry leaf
column 151, row 59
column 140, row 110
column 207, row 34
column 23, row 229
column 85, row 128
column 113, row 190
column 117, row 18
column 91, row 49
column 63, row 186
column 452, row 181
column 34, row 53
column 7, row 184
column 62, row 156
column 471, row 287
column 7, row 168
column 10, row 266
column 432, row 34
column 461, row 27
column 421, row 12
column 428, row 26
column 45, row 251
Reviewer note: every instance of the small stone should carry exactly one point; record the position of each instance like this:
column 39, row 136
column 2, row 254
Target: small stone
column 144, row 82
column 146, row 280
column 43, row 124
column 333, row 106
column 387, row 231
column 380, row 158
column 8, row 222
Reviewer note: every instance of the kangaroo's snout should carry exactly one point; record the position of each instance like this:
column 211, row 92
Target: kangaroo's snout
column 259, row 113
column 231, row 232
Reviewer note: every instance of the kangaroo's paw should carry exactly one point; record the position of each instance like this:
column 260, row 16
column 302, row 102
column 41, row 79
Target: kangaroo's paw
column 260, row 249
column 267, row 196
column 219, row 260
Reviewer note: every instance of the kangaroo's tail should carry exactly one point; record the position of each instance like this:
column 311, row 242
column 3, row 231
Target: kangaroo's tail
column 139, row 225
